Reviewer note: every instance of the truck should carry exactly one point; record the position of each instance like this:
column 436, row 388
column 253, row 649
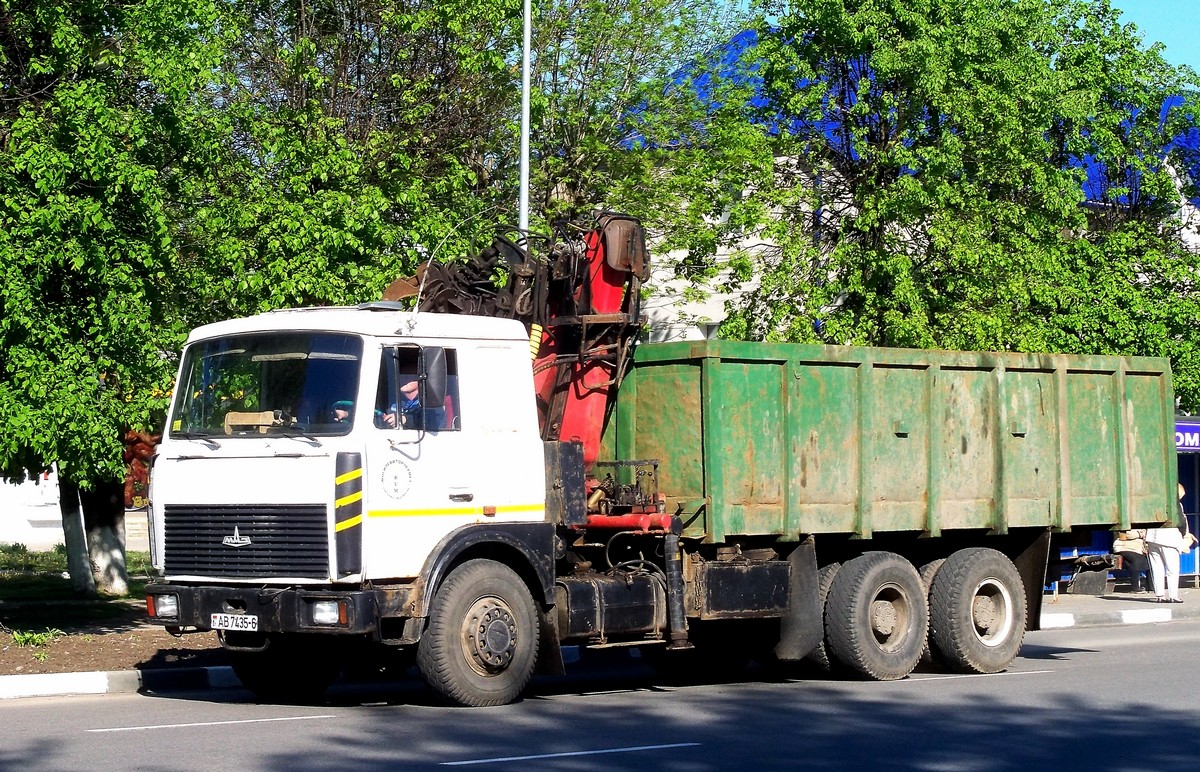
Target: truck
column 473, row 480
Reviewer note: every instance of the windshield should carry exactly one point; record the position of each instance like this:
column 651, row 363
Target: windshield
column 268, row 383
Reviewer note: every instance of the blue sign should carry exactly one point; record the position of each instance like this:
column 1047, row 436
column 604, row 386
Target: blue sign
column 1187, row 436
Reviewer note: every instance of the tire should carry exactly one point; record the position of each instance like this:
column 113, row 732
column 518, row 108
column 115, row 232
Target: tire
column 820, row 655
column 877, row 617
column 977, row 612
column 927, row 572
column 481, row 644
column 292, row 669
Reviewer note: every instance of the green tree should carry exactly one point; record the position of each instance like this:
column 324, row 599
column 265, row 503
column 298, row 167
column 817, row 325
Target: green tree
column 627, row 114
column 1131, row 277
column 360, row 135
column 928, row 181
column 96, row 149
column 364, row 134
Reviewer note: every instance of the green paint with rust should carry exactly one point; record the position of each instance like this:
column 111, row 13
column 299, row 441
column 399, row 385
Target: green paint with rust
column 788, row 439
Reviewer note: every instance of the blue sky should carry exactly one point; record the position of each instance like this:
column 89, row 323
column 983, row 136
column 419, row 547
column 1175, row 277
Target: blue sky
column 1174, row 23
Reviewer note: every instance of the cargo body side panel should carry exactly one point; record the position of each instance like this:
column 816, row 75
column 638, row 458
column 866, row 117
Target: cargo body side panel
column 677, row 433
column 784, row 440
column 745, row 441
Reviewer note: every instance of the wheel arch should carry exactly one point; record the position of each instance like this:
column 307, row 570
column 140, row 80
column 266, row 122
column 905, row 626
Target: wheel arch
column 526, row 548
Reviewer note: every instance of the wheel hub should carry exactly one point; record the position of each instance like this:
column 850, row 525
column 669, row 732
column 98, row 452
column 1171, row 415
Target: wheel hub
column 984, row 612
column 490, row 635
column 992, row 612
column 883, row 618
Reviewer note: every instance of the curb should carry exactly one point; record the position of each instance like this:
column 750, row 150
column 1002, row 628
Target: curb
column 1141, row 616
column 117, row 682
column 1054, row 621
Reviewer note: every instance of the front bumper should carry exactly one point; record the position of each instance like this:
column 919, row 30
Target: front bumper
column 279, row 610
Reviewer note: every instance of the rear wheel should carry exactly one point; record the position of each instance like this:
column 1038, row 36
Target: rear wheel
column 876, row 617
column 927, row 572
column 481, row 644
column 977, row 611
column 292, row 669
column 820, row 655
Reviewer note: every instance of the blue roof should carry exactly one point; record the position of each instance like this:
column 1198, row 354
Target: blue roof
column 734, row 62
column 1184, row 147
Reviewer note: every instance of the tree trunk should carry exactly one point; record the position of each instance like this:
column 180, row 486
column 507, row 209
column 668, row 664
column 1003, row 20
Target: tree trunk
column 104, row 522
column 78, row 565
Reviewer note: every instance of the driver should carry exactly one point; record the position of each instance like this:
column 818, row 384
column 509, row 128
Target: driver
column 342, row 411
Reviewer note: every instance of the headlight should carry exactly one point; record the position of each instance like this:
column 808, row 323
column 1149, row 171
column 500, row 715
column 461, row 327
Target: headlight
column 328, row 612
column 162, row 605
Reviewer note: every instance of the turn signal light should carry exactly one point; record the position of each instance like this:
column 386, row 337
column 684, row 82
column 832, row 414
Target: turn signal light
column 162, row 605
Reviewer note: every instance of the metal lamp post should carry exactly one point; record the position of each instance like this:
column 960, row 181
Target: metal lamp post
column 525, row 68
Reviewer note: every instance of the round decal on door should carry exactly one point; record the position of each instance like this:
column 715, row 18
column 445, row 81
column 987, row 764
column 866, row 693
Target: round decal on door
column 396, row 479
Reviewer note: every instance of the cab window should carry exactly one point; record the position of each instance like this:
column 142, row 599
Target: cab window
column 402, row 401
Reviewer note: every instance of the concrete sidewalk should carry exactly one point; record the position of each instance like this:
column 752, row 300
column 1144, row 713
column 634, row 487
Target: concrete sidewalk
column 1058, row 611
column 1116, row 608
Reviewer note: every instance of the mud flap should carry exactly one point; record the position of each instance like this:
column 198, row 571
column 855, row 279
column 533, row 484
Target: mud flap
column 550, row 658
column 1032, row 564
column 800, row 627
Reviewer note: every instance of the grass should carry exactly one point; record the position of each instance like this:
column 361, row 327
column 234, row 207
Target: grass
column 36, row 639
column 28, row 576
column 16, row 557
column 37, row 595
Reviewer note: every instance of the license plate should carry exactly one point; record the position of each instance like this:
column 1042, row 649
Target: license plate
column 247, row 622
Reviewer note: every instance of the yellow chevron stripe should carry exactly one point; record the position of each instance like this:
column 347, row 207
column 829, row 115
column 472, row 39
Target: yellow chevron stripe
column 456, row 511
column 356, row 520
column 344, row 500
column 535, row 340
column 353, row 474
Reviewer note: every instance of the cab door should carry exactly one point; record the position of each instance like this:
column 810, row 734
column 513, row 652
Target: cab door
column 422, row 470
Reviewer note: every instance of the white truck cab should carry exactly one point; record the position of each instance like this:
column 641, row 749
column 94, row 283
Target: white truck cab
column 327, row 447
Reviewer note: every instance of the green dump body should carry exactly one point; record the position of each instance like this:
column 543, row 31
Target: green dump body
column 789, row 439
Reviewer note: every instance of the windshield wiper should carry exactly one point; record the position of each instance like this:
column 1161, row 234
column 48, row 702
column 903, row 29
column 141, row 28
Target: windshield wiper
column 294, row 434
column 209, row 441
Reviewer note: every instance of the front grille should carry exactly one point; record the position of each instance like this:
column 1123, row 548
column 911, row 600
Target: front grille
column 276, row 540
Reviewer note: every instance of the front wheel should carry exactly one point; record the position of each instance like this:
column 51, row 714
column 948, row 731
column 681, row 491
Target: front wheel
column 481, row 644
column 977, row 611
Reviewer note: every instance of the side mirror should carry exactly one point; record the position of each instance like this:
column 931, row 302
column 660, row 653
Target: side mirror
column 434, row 358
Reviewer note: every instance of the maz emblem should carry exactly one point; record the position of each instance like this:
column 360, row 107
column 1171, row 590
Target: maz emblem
column 237, row 540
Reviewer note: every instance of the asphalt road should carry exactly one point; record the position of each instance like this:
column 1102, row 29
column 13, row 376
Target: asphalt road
column 1087, row 699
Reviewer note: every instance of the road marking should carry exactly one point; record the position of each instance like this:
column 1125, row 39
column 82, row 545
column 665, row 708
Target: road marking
column 977, row 675
column 206, row 723
column 539, row 757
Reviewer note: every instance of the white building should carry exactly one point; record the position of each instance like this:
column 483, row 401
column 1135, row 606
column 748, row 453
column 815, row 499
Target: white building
column 29, row 513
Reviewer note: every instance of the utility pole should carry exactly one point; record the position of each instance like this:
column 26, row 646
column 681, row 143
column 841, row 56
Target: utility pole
column 525, row 68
